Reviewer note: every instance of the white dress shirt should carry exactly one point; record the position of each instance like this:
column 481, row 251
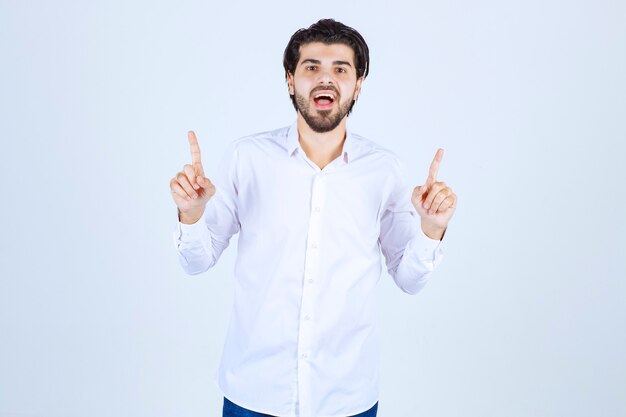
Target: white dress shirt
column 302, row 339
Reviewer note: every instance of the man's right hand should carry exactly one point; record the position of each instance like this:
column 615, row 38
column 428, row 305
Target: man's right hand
column 190, row 188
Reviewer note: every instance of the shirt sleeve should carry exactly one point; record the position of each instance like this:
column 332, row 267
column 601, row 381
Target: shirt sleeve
column 199, row 245
column 410, row 255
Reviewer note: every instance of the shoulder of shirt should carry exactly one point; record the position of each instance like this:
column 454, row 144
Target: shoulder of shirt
column 369, row 146
column 276, row 135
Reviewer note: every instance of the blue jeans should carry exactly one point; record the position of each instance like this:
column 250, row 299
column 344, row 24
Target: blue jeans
column 233, row 410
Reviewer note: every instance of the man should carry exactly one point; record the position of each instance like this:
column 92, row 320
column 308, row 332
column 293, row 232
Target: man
column 315, row 206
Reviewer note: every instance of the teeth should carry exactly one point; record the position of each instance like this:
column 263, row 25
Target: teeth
column 330, row 96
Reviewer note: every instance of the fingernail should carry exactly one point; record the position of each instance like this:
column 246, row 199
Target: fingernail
column 196, row 186
column 195, row 196
column 426, row 206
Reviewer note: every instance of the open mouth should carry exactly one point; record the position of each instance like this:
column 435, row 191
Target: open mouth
column 324, row 100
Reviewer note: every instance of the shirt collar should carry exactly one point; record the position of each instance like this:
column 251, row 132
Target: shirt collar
column 350, row 147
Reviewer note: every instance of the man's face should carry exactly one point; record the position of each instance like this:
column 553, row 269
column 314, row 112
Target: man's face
column 324, row 84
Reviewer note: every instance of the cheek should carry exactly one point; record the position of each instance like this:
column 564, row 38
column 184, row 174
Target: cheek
column 303, row 87
column 349, row 90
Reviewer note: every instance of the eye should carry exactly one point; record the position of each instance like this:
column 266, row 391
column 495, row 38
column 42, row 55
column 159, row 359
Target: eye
column 311, row 68
column 341, row 70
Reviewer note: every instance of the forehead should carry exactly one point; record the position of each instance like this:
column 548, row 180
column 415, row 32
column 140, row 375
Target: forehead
column 326, row 52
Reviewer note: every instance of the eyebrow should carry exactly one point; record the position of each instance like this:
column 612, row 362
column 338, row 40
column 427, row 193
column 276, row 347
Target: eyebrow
column 318, row 62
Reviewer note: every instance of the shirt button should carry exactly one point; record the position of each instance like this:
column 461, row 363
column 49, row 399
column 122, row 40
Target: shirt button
column 304, row 356
column 317, row 209
column 307, row 317
column 313, row 245
column 311, row 281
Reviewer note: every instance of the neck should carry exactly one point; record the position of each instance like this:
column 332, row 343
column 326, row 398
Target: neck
column 321, row 148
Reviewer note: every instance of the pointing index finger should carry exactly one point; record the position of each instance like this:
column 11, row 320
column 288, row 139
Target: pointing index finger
column 434, row 167
column 195, row 152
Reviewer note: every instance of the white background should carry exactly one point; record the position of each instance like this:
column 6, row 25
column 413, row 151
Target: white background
column 525, row 317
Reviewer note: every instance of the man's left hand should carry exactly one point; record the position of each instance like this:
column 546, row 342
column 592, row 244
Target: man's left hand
column 434, row 201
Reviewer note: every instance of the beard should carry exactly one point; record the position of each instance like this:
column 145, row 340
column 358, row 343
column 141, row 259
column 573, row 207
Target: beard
column 321, row 121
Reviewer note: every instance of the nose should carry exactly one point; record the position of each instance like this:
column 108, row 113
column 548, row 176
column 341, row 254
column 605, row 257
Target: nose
column 325, row 76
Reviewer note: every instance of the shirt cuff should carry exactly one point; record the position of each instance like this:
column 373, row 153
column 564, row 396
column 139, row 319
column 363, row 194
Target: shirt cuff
column 192, row 232
column 425, row 248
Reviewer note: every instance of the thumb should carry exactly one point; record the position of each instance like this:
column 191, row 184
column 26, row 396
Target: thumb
column 202, row 181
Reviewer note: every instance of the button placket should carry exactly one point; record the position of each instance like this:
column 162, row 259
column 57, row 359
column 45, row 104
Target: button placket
column 309, row 292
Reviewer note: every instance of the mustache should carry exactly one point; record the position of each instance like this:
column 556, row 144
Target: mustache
column 325, row 88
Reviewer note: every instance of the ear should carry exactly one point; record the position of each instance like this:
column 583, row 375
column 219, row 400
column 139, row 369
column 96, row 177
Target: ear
column 357, row 89
column 290, row 83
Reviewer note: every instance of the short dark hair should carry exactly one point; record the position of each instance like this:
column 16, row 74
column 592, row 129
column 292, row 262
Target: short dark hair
column 327, row 31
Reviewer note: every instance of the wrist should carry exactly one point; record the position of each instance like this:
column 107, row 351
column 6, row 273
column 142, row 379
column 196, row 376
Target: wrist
column 433, row 232
column 190, row 217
